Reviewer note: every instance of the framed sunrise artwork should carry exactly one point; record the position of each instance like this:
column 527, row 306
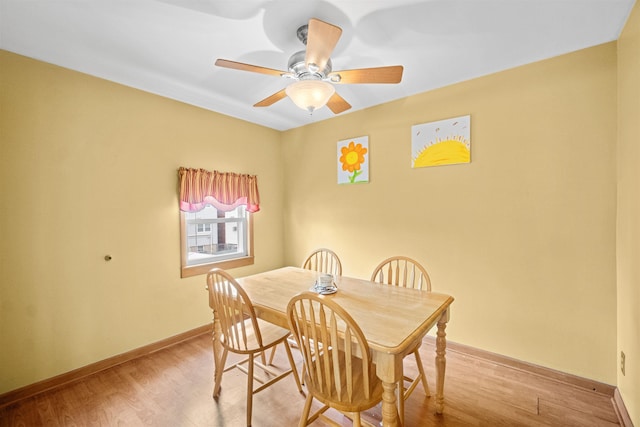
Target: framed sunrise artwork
column 445, row 142
column 353, row 160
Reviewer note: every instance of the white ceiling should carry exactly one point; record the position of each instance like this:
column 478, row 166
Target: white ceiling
column 168, row 47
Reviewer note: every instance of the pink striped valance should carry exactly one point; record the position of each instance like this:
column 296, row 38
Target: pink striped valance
column 223, row 190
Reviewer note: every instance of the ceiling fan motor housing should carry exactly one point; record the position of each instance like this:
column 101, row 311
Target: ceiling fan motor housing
column 299, row 69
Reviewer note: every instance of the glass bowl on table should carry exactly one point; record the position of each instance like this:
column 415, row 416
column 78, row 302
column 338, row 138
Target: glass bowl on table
column 325, row 285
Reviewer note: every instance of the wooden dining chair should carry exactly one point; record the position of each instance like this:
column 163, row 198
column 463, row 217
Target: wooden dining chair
column 324, row 261
column 338, row 368
column 408, row 273
column 243, row 333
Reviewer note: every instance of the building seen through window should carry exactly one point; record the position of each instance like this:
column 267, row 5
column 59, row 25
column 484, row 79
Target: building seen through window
column 213, row 235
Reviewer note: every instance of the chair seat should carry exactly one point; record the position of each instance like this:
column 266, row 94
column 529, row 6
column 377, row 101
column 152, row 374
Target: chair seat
column 339, row 399
column 271, row 335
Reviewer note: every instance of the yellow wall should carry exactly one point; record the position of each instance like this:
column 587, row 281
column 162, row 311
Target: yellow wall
column 523, row 236
column 628, row 237
column 89, row 168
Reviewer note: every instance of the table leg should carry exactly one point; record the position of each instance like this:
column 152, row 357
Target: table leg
column 388, row 368
column 441, row 363
column 389, row 409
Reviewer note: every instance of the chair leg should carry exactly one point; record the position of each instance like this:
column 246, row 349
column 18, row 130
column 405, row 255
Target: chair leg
column 250, row 389
column 356, row 420
column 273, row 353
column 293, row 344
column 423, row 377
column 218, row 374
column 294, row 370
column 305, row 412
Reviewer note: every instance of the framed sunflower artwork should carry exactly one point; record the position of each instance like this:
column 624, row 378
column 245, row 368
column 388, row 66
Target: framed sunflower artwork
column 445, row 142
column 353, row 160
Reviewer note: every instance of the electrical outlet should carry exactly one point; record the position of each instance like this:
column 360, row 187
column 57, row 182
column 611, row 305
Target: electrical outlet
column 622, row 362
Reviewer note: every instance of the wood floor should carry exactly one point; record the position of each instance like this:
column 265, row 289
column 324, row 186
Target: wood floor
column 172, row 387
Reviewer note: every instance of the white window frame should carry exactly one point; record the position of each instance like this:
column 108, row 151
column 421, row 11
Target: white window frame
column 227, row 261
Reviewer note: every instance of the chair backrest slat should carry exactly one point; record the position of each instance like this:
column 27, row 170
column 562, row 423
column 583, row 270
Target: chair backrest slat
column 402, row 271
column 235, row 311
column 332, row 345
column 324, row 261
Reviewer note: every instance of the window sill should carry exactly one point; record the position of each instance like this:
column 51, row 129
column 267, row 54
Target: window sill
column 196, row 270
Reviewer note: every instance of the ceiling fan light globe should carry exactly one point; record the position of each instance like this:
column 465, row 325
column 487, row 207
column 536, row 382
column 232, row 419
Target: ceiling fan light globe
column 310, row 94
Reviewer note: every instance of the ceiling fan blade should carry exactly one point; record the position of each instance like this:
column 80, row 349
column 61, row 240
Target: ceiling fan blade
column 392, row 74
column 337, row 104
column 321, row 40
column 248, row 67
column 272, row 99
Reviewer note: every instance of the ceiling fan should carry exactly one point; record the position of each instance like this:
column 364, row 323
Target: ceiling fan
column 312, row 71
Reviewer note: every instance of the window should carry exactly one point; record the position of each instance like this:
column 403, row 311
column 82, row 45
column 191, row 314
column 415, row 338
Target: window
column 204, row 227
column 216, row 225
column 213, row 238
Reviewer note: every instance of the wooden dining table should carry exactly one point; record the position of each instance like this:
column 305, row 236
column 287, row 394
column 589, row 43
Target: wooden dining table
column 393, row 319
